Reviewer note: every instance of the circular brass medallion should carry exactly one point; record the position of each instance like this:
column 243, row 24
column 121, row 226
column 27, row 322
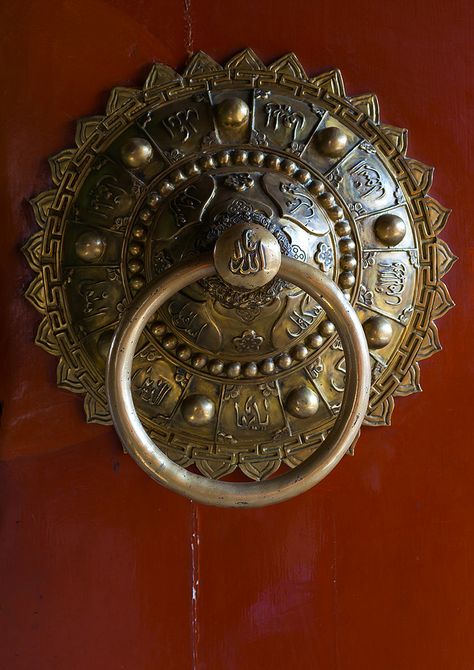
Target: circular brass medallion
column 241, row 369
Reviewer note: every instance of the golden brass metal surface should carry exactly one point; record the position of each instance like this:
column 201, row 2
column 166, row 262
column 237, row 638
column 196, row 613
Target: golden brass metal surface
column 300, row 399
column 239, row 369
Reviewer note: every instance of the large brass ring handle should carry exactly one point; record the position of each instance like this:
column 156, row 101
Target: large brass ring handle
column 235, row 494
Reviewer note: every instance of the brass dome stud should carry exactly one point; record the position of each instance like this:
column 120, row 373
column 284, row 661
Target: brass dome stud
column 251, row 369
column 158, row 328
column 267, row 366
column 316, row 187
column 257, row 158
column 302, row 402
column 284, row 361
column 198, row 361
column 331, row 142
column 183, row 352
column 135, row 266
column 90, row 246
column 300, row 352
column 315, row 340
column 390, row 229
column 153, row 200
column 233, row 113
column 198, row 410
column 137, row 282
column 224, row 158
column 346, row 280
column 216, row 366
column 327, row 328
column 347, row 245
column 169, row 341
column 233, row 370
column 342, row 228
column 135, row 249
column 139, row 232
column 327, row 200
column 378, row 332
column 136, row 152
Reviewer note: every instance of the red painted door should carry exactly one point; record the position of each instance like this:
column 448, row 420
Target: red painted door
column 102, row 568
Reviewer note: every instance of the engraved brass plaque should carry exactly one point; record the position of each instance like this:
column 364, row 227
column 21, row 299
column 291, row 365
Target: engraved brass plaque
column 239, row 373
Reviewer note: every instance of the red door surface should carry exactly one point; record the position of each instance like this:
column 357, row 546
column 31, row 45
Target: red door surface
column 101, row 567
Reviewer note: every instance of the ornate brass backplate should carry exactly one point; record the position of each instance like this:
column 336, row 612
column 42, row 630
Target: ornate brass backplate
column 226, row 377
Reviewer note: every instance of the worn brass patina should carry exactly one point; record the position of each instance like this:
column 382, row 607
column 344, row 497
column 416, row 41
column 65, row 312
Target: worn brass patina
column 242, row 368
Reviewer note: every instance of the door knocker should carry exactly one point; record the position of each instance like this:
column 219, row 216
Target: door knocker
column 238, row 267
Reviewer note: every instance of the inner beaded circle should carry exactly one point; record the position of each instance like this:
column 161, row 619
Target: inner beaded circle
column 220, row 163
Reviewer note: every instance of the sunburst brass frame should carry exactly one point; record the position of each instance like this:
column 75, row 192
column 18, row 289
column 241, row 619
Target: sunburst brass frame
column 43, row 250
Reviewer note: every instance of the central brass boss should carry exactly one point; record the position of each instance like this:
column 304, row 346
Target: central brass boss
column 247, row 256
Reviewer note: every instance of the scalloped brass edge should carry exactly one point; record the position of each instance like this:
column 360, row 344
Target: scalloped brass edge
column 410, row 383
column 331, row 81
column 159, row 75
column 45, row 338
column 95, row 411
column 289, row 64
column 245, row 60
column 41, row 204
column 58, row 164
column 85, row 128
column 380, row 414
column 422, row 174
column 369, row 104
column 32, row 250
column 119, row 96
column 446, row 258
column 66, row 379
column 200, row 63
column 397, row 136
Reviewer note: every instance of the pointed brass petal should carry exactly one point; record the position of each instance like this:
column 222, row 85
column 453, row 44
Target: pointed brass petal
column 443, row 301
column 289, row 64
column 368, row 104
column 95, row 411
column 422, row 174
column 35, row 294
column 352, row 448
column 215, row 468
column 59, row 163
column 397, row 136
column 331, row 81
column 160, row 74
column 45, row 338
column 119, row 96
column 85, row 128
column 32, row 251
column 66, row 379
column 41, row 205
column 381, row 414
column 260, row 469
column 294, row 458
column 245, row 60
column 437, row 214
column 430, row 344
column 410, row 382
column 201, row 63
column 446, row 258
column 176, row 455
